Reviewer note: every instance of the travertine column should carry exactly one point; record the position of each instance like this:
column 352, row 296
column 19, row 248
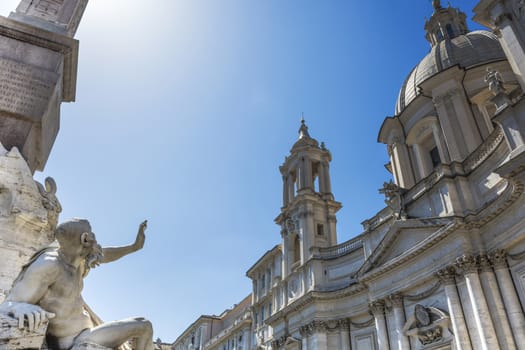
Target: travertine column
column 344, row 333
column 490, row 286
column 378, row 310
column 322, row 178
column 308, row 179
column 291, row 187
column 401, row 165
column 510, row 298
column 459, row 327
column 399, row 316
column 480, row 309
column 286, row 191
column 328, row 184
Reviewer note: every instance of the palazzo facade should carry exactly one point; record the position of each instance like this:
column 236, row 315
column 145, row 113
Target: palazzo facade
column 442, row 266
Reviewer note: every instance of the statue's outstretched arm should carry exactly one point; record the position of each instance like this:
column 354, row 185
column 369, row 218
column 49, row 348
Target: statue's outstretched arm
column 115, row 253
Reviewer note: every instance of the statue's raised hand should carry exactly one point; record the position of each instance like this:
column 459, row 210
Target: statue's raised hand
column 141, row 237
column 34, row 314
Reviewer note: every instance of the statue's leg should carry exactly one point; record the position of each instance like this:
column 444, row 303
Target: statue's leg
column 114, row 334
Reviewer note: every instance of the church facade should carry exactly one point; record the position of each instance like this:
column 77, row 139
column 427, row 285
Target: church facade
column 442, row 266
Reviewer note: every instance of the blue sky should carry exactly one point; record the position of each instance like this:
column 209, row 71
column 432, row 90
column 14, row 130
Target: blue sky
column 185, row 110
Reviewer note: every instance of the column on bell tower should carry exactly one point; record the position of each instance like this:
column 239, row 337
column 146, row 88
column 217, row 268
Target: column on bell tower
column 308, row 210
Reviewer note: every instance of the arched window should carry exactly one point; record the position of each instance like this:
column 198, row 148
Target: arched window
column 423, row 139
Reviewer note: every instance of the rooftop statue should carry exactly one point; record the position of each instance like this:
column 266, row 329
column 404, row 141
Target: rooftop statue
column 48, row 289
column 493, row 78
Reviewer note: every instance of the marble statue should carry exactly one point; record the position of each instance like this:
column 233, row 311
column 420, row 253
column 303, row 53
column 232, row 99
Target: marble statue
column 48, row 289
column 494, row 80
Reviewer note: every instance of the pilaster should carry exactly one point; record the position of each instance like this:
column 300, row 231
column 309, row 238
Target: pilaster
column 509, row 296
column 377, row 308
column 487, row 334
column 447, row 276
column 399, row 316
column 495, row 303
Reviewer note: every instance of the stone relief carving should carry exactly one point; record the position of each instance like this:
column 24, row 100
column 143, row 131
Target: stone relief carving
column 427, row 324
column 50, row 201
column 394, row 199
column 48, row 292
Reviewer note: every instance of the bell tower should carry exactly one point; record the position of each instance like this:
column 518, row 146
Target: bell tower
column 307, row 217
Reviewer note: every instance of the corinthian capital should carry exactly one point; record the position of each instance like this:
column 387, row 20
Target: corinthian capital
column 467, row 263
column 377, row 307
column 498, row 258
column 447, row 275
column 396, row 299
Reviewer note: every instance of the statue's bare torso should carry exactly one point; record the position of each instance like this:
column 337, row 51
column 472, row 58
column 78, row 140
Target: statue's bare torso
column 63, row 297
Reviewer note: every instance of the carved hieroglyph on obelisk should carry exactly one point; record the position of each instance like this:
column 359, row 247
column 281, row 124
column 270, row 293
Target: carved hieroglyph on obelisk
column 38, row 69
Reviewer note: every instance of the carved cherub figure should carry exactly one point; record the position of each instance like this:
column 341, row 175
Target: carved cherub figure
column 49, row 289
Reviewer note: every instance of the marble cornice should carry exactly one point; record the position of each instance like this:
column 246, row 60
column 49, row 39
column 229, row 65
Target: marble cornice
column 314, row 296
column 424, row 294
column 484, row 150
column 323, row 326
column 364, row 324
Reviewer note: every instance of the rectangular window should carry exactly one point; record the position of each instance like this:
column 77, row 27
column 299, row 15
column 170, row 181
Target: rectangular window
column 434, row 156
column 320, row 229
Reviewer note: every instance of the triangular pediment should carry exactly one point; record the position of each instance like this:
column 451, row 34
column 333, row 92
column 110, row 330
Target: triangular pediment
column 400, row 238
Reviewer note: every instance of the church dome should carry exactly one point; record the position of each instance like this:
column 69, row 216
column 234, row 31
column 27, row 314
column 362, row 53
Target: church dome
column 467, row 50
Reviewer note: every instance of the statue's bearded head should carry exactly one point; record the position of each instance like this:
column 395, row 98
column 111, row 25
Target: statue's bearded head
column 75, row 235
column 95, row 257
